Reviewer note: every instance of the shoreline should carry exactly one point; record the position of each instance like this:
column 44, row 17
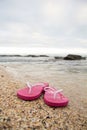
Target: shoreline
column 18, row 114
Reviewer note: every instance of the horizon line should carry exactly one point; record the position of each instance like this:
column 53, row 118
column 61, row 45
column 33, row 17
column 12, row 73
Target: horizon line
column 42, row 50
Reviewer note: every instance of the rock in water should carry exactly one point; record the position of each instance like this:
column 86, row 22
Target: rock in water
column 73, row 57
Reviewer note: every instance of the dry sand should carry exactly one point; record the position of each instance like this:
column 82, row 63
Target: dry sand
column 16, row 114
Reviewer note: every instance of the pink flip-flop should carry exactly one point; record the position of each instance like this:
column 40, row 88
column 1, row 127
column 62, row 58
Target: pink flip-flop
column 31, row 92
column 54, row 98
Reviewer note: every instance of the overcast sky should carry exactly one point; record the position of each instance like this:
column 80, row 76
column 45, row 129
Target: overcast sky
column 60, row 24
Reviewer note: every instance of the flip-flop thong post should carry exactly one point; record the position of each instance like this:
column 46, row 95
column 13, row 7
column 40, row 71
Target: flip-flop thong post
column 31, row 92
column 54, row 98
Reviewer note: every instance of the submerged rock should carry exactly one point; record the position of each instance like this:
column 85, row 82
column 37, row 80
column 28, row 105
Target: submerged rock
column 73, row 57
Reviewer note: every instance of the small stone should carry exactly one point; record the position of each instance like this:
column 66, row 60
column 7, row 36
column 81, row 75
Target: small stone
column 48, row 117
column 2, row 76
column 8, row 119
column 0, row 110
column 4, row 127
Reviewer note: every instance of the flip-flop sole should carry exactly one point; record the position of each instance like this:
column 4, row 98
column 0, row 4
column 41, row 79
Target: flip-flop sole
column 25, row 95
column 34, row 94
column 50, row 101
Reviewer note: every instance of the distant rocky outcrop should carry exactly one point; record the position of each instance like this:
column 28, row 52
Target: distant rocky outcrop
column 31, row 55
column 23, row 55
column 36, row 56
column 43, row 56
column 73, row 57
column 10, row 55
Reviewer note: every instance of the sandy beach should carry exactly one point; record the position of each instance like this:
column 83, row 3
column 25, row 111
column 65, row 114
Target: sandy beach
column 43, row 41
column 16, row 114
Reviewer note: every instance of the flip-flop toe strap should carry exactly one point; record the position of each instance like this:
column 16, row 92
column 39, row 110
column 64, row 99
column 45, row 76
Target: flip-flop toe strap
column 30, row 86
column 53, row 90
column 56, row 92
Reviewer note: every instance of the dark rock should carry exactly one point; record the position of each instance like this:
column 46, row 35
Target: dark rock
column 0, row 110
column 43, row 56
column 73, row 57
column 36, row 56
column 58, row 57
column 10, row 55
column 48, row 117
column 31, row 56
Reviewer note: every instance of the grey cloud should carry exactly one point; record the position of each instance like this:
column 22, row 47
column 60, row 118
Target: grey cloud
column 43, row 23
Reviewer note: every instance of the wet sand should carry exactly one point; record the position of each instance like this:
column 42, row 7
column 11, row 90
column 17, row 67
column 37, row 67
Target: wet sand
column 16, row 114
